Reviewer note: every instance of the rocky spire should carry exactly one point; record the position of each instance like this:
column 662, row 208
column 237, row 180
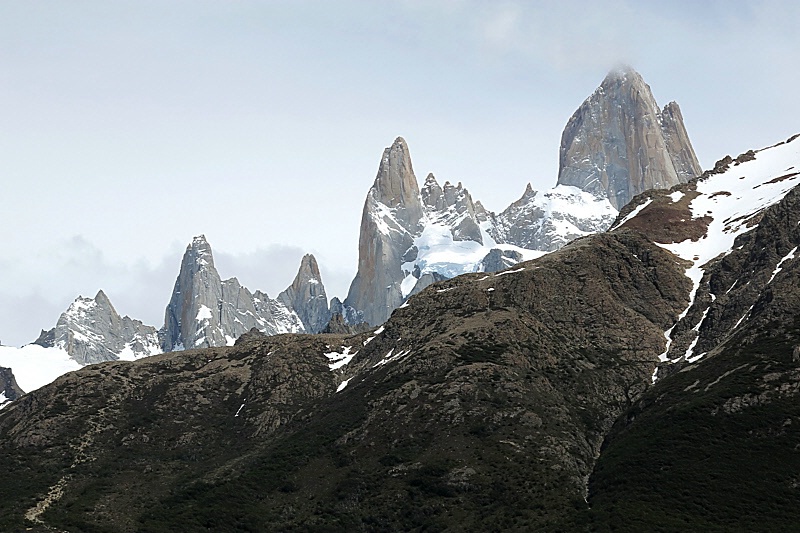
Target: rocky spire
column 392, row 216
column 678, row 145
column 619, row 144
column 192, row 317
column 206, row 311
column 452, row 206
column 306, row 295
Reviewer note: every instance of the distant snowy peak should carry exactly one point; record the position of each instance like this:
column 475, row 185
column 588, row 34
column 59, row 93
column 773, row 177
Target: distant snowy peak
column 91, row 331
column 548, row 220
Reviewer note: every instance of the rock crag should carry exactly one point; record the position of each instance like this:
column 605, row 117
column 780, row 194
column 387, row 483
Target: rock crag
column 619, row 143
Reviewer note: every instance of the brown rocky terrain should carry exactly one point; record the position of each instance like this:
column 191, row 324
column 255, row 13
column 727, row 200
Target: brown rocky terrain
column 480, row 383
column 520, row 400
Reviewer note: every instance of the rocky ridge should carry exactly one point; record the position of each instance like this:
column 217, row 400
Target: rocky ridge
column 206, row 311
column 91, row 331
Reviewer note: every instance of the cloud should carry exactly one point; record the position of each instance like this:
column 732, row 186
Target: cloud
column 38, row 286
column 269, row 269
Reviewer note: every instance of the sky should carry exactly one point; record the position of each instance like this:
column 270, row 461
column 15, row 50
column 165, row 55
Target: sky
column 128, row 127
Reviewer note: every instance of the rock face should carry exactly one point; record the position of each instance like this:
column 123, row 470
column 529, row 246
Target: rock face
column 91, row 331
column 205, row 311
column 9, row 390
column 392, row 216
column 306, row 296
column 619, row 144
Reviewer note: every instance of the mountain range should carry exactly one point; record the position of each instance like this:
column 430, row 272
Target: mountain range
column 620, row 353
column 644, row 378
column 617, row 144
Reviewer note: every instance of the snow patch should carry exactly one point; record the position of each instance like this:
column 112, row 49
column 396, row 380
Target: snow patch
column 204, row 313
column 636, row 211
column 503, row 273
column 338, row 360
column 389, row 357
column 788, row 256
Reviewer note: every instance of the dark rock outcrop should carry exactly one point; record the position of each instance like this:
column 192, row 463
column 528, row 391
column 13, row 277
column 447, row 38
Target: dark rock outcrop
column 9, row 390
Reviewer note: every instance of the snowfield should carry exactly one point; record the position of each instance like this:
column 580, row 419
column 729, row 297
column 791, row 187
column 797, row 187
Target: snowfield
column 35, row 366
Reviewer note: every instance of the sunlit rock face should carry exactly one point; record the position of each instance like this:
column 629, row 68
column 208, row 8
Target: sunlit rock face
column 619, row 143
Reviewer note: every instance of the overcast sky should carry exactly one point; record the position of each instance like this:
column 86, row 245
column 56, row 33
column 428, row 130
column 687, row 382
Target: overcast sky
column 128, row 127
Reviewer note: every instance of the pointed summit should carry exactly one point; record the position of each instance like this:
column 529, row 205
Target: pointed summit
column 619, row 144
column 195, row 297
column 306, row 296
column 91, row 331
column 396, row 185
column 205, row 311
column 393, row 214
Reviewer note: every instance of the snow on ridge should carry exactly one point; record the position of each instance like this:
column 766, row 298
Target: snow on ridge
column 636, row 211
column 504, row 272
column 732, row 199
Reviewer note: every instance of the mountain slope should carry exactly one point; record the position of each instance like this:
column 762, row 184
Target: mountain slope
column 488, row 401
column 713, row 446
column 483, row 383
